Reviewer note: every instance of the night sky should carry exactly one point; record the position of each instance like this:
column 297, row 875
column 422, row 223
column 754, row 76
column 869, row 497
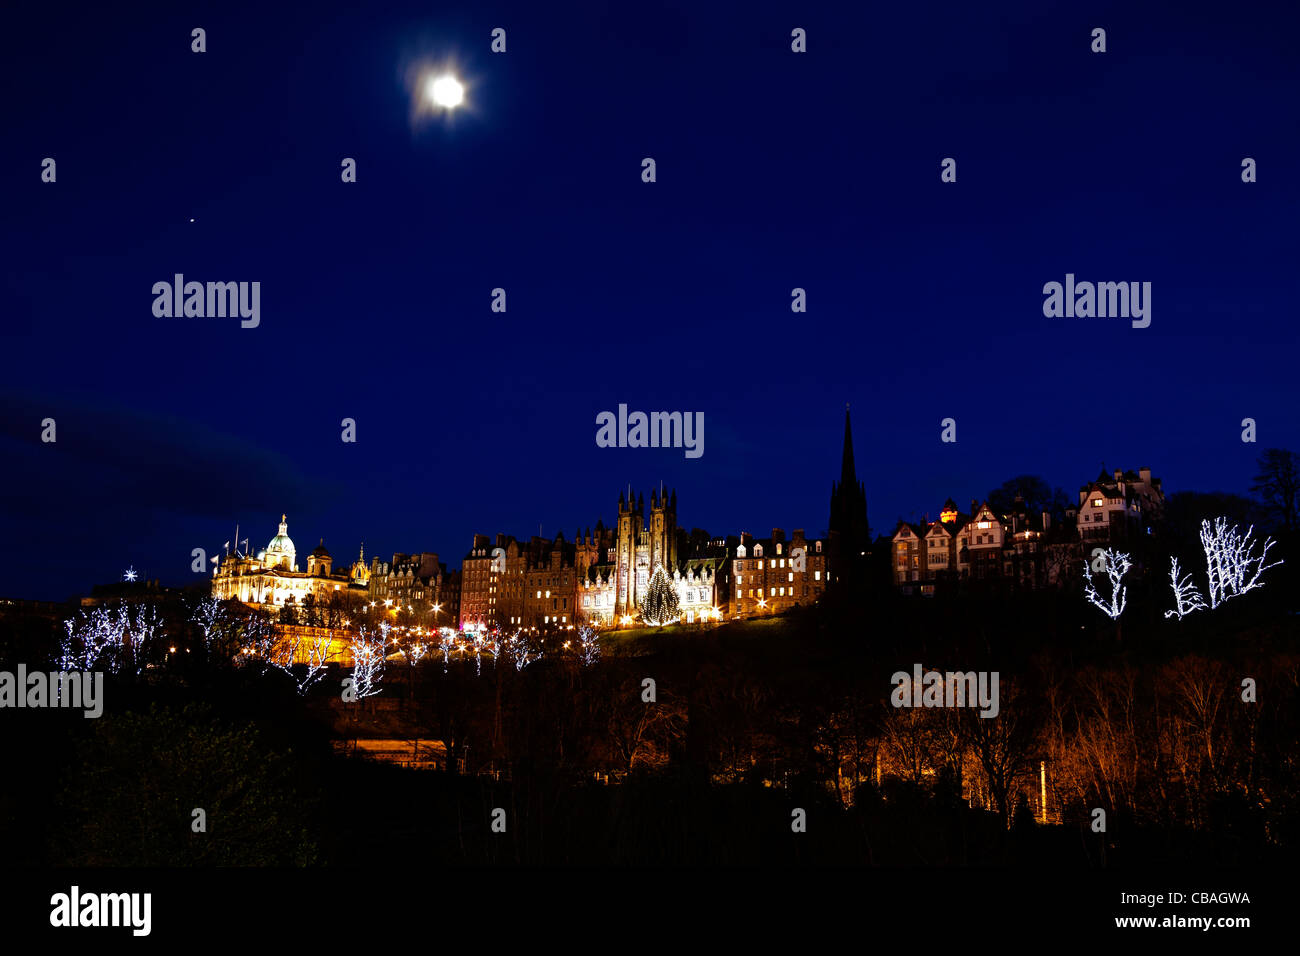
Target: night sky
column 775, row 171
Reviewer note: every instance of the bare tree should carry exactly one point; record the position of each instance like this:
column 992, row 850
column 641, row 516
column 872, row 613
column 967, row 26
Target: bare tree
column 1006, row 746
column 369, row 655
column 114, row 637
column 311, row 652
column 1278, row 484
column 1231, row 563
column 1186, row 597
column 1116, row 566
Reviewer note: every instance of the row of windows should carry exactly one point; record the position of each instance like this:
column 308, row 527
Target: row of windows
column 817, row 576
column 757, row 565
column 771, row 592
column 691, row 597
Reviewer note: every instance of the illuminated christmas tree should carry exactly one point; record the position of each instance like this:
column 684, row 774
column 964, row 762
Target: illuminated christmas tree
column 660, row 604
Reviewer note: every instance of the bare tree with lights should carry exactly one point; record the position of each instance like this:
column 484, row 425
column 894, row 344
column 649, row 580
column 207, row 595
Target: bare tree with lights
column 588, row 645
column 208, row 616
column 1186, row 596
column 1231, row 561
column 258, row 640
column 111, row 637
column 447, row 643
column 143, row 626
column 1117, row 565
column 88, row 638
column 414, row 651
column 519, row 648
column 313, row 653
column 369, row 657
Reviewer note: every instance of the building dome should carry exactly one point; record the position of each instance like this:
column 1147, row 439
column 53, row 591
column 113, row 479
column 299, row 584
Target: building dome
column 281, row 551
column 318, row 551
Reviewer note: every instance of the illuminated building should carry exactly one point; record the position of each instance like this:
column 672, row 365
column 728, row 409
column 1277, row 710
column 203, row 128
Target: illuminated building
column 771, row 575
column 272, row 578
column 1114, row 507
column 601, row 577
column 418, row 584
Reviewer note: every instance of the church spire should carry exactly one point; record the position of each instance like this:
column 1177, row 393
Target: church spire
column 849, row 532
column 848, row 474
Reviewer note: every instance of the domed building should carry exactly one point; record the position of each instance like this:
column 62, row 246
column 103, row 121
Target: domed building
column 272, row 579
column 281, row 553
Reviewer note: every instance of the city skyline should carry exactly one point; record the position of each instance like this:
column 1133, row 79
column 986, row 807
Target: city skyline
column 881, row 527
column 925, row 299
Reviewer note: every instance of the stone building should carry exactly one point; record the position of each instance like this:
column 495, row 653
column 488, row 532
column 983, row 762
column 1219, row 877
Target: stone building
column 417, row 584
column 272, row 578
column 601, row 577
column 772, row 575
column 1113, row 508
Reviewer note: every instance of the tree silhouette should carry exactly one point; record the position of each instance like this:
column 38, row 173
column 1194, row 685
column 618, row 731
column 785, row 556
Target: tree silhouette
column 1278, row 484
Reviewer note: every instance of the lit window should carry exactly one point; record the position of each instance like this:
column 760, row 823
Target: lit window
column 817, row 575
column 791, row 577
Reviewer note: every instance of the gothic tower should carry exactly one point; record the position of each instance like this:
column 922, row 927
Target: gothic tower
column 663, row 530
column 586, row 554
column 631, row 520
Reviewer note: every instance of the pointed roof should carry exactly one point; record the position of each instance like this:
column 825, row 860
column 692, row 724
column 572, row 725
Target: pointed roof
column 848, row 474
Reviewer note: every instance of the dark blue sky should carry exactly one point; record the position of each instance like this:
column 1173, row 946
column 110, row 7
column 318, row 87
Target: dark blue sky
column 775, row 170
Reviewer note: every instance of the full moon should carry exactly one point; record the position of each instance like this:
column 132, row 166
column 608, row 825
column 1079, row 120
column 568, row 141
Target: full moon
column 445, row 91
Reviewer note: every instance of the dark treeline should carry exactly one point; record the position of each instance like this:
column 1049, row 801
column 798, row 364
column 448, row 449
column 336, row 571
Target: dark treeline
column 750, row 722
